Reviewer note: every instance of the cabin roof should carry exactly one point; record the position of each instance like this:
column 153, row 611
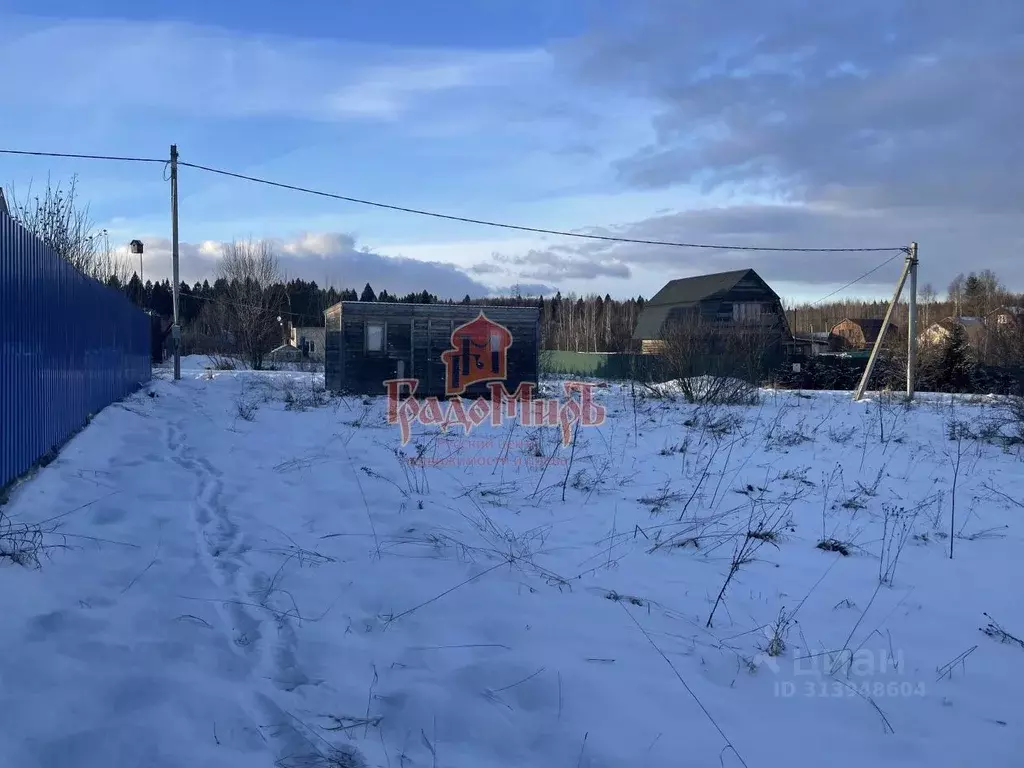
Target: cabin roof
column 869, row 326
column 691, row 290
column 407, row 304
column 687, row 293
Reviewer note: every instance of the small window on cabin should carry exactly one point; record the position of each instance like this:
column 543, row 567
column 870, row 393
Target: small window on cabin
column 1003, row 319
column 375, row 337
column 312, row 347
column 745, row 312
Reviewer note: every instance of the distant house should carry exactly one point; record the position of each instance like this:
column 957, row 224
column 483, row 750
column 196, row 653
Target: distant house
column 738, row 299
column 810, row 344
column 1006, row 318
column 858, row 333
column 939, row 332
column 309, row 340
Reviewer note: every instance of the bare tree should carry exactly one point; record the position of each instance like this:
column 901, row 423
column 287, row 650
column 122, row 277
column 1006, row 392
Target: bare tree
column 928, row 297
column 1004, row 345
column 63, row 223
column 254, row 297
column 955, row 293
column 208, row 333
column 109, row 265
column 992, row 290
column 718, row 364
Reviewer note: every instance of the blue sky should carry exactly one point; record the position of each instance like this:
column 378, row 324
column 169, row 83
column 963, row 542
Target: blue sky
column 636, row 118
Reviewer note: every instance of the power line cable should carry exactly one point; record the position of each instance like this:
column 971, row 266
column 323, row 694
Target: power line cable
column 450, row 217
column 117, row 158
column 520, row 228
column 866, row 274
column 197, row 297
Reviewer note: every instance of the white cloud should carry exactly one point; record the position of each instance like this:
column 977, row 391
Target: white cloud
column 462, row 253
column 877, row 124
column 694, row 124
column 384, row 91
column 213, row 72
column 328, row 258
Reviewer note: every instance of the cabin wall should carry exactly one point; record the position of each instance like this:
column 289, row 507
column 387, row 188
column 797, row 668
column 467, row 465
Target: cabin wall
column 415, row 336
column 752, row 291
column 850, row 335
column 333, row 373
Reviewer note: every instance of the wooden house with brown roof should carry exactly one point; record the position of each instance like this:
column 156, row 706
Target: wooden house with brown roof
column 1006, row 319
column 858, row 333
column 737, row 299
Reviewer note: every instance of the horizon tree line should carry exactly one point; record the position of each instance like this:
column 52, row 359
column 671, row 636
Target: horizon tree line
column 250, row 289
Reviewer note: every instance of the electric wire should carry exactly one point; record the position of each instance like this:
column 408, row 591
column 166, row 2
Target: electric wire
column 522, row 228
column 117, row 158
column 451, row 217
column 866, row 274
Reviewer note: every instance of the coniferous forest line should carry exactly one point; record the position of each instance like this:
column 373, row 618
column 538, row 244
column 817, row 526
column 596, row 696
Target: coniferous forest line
column 571, row 322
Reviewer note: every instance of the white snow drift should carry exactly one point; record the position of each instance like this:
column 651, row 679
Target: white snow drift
column 236, row 570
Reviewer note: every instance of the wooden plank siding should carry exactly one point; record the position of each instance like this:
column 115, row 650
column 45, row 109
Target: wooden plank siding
column 333, row 370
column 415, row 335
column 749, row 290
column 738, row 299
column 849, row 334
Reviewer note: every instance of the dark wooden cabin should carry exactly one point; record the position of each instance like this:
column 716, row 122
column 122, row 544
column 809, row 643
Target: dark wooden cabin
column 738, row 299
column 368, row 343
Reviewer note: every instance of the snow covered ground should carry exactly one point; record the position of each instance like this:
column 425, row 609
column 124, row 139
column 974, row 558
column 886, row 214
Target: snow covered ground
column 239, row 571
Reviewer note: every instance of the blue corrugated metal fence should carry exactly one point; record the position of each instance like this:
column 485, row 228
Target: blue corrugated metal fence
column 69, row 346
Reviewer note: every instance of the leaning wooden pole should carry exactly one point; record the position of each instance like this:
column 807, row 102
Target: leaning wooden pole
column 859, row 393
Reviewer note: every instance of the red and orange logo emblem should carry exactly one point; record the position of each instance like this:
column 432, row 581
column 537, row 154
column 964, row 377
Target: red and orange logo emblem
column 479, row 353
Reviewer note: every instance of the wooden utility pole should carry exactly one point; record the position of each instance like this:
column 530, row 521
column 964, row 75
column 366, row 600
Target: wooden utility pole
column 910, row 260
column 912, row 322
column 176, row 327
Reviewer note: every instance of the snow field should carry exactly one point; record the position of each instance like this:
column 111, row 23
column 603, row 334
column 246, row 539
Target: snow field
column 242, row 571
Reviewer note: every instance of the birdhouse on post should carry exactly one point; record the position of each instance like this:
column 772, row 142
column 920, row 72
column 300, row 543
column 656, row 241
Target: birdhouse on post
column 135, row 246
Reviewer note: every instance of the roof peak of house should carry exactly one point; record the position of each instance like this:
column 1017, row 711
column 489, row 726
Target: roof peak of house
column 685, row 294
column 728, row 272
column 695, row 288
